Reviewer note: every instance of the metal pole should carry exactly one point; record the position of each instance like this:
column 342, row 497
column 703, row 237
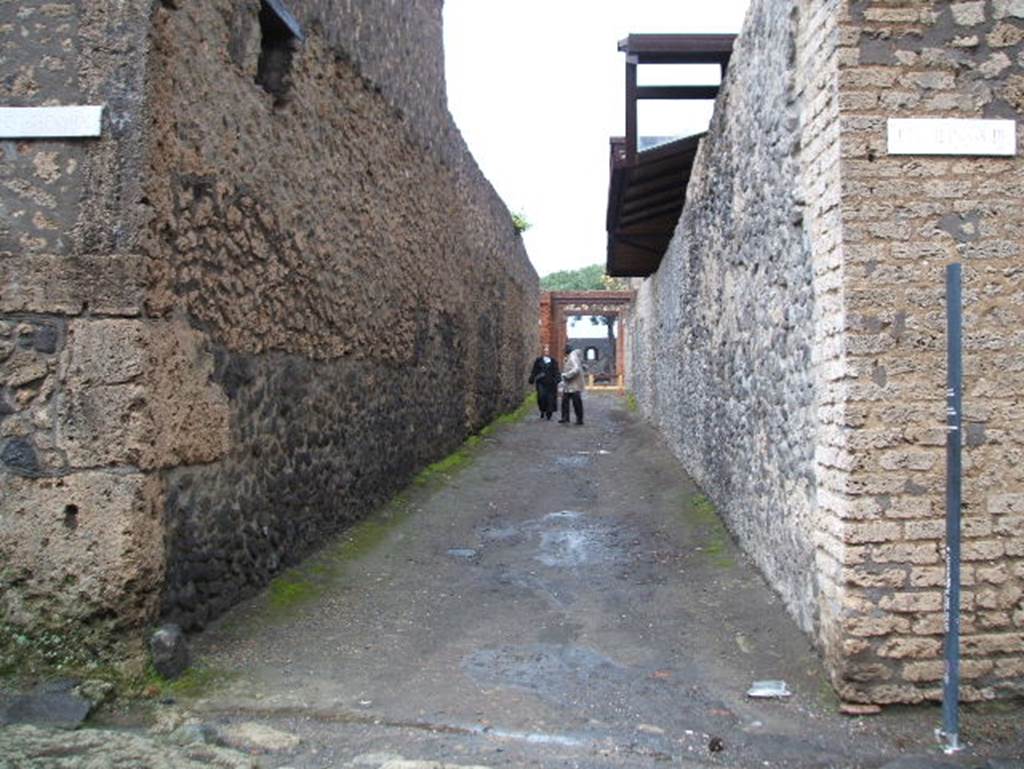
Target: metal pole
column 954, row 413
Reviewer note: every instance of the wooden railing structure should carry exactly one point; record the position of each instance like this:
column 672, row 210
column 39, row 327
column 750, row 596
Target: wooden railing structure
column 617, row 383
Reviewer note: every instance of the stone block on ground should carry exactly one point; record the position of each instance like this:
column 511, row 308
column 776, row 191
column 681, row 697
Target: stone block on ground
column 169, row 649
column 45, row 706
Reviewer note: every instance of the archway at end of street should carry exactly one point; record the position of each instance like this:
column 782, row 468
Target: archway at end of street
column 557, row 308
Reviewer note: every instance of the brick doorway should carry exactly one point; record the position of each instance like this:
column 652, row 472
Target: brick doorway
column 556, row 307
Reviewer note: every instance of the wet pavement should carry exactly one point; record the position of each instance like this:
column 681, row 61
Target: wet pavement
column 566, row 599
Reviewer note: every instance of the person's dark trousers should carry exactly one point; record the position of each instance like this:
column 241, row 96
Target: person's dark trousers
column 577, row 407
column 552, row 400
column 547, row 400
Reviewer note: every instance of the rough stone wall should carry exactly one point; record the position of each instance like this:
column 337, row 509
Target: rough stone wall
column 365, row 309
column 904, row 219
column 792, row 343
column 295, row 301
column 722, row 336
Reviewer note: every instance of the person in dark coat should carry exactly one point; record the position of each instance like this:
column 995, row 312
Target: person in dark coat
column 546, row 376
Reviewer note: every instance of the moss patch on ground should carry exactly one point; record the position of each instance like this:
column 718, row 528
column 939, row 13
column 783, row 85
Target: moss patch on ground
column 528, row 405
column 462, row 456
column 299, row 585
column 447, row 466
column 290, row 588
column 631, row 404
column 197, row 681
column 194, row 682
column 715, row 541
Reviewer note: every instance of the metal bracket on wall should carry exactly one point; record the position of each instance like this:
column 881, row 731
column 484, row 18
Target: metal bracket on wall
column 286, row 17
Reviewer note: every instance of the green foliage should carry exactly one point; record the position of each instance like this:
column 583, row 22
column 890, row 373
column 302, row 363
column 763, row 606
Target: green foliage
column 591, row 278
column 520, row 222
column 704, row 509
column 631, row 404
column 584, row 279
column 614, row 284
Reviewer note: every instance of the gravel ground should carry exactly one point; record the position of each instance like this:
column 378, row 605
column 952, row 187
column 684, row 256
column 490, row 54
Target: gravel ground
column 565, row 599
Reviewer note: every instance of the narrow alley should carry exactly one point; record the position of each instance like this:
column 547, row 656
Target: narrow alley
column 272, row 277
column 564, row 598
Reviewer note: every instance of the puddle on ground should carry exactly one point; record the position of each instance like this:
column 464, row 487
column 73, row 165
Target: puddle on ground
column 569, row 539
column 566, row 539
column 562, row 549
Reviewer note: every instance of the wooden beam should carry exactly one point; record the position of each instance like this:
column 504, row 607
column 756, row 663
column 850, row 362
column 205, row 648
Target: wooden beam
column 652, row 244
column 677, row 92
column 631, row 109
column 679, row 49
column 653, row 213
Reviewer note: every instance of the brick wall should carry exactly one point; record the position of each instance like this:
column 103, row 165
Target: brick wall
column 792, row 348
column 242, row 317
column 904, row 219
column 547, row 322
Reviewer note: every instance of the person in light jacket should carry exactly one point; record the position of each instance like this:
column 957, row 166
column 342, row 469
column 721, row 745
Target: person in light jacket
column 573, row 384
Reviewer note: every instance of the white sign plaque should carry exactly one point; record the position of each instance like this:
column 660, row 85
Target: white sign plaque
column 50, row 122
column 952, row 136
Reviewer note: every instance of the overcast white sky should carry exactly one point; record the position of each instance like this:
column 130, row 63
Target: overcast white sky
column 537, row 88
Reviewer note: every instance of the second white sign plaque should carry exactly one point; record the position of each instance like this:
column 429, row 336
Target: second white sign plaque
column 952, row 136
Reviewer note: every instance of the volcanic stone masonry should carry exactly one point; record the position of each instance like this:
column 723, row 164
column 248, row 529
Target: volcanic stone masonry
column 791, row 345
column 274, row 289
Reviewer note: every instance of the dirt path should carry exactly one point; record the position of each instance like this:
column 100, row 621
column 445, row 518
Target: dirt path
column 565, row 599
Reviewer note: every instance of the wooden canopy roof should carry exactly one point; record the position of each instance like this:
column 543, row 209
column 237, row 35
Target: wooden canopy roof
column 648, row 187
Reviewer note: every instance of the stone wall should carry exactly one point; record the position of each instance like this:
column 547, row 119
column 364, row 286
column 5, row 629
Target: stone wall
column 791, row 345
column 722, row 336
column 274, row 302
column 79, row 533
